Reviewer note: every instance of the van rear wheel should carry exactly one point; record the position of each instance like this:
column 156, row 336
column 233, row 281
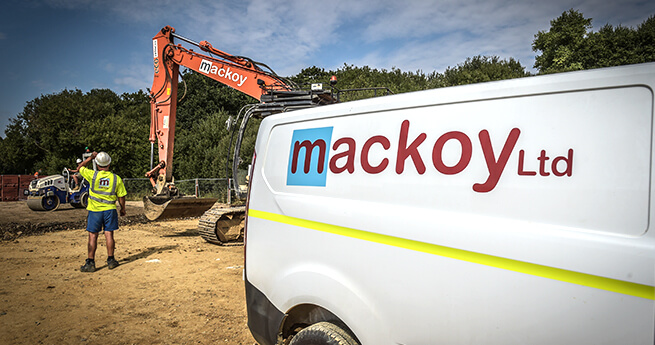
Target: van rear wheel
column 323, row 333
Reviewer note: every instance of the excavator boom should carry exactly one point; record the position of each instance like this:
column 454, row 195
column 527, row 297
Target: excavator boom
column 274, row 93
column 240, row 73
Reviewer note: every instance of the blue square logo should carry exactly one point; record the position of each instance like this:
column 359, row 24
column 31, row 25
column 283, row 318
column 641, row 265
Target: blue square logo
column 308, row 157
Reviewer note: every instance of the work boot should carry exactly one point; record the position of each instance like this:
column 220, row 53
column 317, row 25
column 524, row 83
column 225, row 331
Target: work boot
column 89, row 266
column 112, row 263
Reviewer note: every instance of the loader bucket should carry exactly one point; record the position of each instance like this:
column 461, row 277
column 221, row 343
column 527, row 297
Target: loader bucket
column 161, row 208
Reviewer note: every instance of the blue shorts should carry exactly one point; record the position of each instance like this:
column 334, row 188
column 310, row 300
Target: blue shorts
column 95, row 221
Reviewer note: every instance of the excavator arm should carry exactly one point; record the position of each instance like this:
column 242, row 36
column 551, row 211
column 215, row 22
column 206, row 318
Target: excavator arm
column 240, row 73
column 275, row 95
column 218, row 224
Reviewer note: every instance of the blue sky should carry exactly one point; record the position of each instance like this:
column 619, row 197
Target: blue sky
column 52, row 45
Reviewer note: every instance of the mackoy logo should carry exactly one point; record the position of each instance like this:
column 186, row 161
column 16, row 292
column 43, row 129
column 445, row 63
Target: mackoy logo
column 208, row 67
column 312, row 155
column 104, row 182
column 308, row 157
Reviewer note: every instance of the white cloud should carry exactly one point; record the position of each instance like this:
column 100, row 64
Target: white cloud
column 437, row 34
column 277, row 33
column 70, row 4
column 412, row 34
column 129, row 77
column 130, row 82
column 40, row 84
column 629, row 13
column 283, row 34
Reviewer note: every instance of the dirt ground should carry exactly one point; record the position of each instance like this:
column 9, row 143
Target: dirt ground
column 171, row 287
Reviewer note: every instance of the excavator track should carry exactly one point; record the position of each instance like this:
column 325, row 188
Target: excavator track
column 223, row 225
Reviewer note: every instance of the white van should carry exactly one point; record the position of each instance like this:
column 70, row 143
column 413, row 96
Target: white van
column 511, row 212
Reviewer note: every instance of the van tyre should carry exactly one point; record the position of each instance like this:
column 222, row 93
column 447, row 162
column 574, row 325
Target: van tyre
column 323, row 333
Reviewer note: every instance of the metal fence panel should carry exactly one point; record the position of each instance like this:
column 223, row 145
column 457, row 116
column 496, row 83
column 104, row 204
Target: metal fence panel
column 137, row 188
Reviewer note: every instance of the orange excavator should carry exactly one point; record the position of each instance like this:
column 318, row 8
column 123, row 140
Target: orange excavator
column 276, row 94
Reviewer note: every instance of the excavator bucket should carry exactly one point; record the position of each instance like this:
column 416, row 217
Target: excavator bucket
column 161, row 208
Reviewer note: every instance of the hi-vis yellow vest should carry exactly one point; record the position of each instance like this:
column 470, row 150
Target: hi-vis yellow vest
column 104, row 189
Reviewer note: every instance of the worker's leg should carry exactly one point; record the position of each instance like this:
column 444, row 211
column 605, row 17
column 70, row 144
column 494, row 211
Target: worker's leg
column 93, row 227
column 111, row 224
column 92, row 245
column 109, row 236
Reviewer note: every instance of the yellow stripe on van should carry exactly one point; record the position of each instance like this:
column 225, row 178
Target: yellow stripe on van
column 608, row 284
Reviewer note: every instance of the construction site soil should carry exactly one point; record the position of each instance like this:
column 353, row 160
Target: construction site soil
column 171, row 287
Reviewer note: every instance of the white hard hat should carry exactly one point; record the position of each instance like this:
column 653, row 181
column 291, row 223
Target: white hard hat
column 103, row 159
column 78, row 161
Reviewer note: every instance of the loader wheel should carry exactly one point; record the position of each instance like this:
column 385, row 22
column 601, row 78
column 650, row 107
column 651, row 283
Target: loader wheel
column 323, row 333
column 50, row 203
column 84, row 200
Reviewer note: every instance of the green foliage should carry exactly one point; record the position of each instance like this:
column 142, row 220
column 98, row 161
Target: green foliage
column 126, row 142
column 563, row 44
column 202, row 138
column 17, row 155
column 474, row 70
column 646, row 39
column 311, row 75
column 202, row 150
column 199, row 150
column 481, row 69
column 569, row 45
column 53, row 131
column 204, row 97
column 353, row 77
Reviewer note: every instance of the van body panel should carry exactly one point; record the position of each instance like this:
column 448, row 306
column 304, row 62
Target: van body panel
column 503, row 213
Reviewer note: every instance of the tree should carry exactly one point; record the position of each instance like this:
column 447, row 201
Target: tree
column 201, row 97
column 352, row 77
column 646, row 40
column 561, row 47
column 569, row 45
column 481, row 69
column 124, row 135
column 311, row 75
column 49, row 131
column 202, row 150
column 53, row 130
column 17, row 155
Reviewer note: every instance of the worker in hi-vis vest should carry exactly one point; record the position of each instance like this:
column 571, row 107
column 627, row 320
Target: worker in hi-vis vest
column 105, row 188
